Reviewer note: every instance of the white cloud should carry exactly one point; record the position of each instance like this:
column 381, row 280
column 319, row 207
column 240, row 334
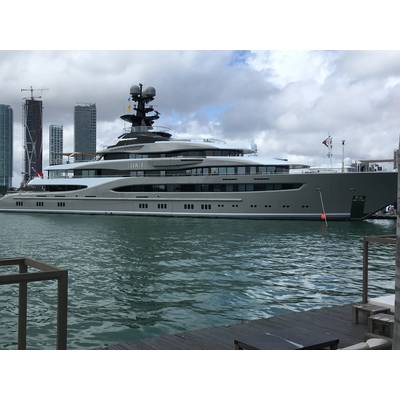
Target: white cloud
column 286, row 102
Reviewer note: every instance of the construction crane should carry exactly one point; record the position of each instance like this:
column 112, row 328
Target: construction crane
column 31, row 89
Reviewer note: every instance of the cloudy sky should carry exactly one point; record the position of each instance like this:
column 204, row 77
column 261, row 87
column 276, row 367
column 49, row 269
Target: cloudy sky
column 285, row 102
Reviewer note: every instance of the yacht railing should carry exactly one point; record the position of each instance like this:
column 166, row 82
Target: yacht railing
column 150, row 174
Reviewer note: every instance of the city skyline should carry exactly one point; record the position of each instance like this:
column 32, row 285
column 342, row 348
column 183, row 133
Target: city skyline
column 286, row 102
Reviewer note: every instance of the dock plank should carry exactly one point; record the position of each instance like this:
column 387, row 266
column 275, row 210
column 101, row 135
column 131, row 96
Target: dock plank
column 296, row 326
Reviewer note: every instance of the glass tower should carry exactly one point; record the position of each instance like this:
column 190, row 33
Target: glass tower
column 55, row 144
column 85, row 131
column 6, row 147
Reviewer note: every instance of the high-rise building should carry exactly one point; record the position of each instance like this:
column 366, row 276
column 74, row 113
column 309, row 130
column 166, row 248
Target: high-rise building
column 85, row 131
column 33, row 110
column 55, row 144
column 6, row 147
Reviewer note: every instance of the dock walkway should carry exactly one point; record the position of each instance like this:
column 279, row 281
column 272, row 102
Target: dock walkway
column 334, row 321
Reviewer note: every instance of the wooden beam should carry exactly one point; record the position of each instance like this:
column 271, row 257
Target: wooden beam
column 11, row 261
column 62, row 311
column 29, row 277
column 22, row 308
column 365, row 271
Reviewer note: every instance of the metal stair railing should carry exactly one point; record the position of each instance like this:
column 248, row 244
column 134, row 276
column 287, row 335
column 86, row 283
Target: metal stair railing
column 46, row 272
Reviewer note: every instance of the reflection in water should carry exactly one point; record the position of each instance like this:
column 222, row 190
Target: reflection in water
column 132, row 277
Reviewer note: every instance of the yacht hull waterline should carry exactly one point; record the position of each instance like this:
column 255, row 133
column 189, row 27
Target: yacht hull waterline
column 148, row 173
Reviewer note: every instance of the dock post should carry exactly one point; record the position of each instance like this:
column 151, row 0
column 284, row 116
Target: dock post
column 365, row 272
column 22, row 307
column 62, row 310
column 396, row 333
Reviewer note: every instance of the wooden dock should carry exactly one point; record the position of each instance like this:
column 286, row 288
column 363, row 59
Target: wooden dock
column 330, row 321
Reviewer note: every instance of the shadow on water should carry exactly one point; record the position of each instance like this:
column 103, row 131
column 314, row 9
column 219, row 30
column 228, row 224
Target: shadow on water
column 132, row 277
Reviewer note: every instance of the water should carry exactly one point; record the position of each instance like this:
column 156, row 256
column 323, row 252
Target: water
column 135, row 277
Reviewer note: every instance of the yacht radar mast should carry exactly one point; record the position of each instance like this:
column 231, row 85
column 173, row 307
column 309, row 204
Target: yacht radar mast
column 142, row 118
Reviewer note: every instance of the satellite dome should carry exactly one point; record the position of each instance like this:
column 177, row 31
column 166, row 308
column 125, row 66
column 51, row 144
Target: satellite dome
column 134, row 90
column 149, row 92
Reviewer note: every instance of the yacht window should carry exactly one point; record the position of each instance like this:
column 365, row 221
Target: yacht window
column 55, row 188
column 241, row 187
column 241, row 170
column 152, row 173
column 214, row 170
column 230, row 171
column 253, row 170
column 88, row 172
column 262, row 170
column 159, row 188
column 222, row 170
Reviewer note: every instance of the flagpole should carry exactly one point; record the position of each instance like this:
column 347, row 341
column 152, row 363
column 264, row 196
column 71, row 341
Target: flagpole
column 343, row 156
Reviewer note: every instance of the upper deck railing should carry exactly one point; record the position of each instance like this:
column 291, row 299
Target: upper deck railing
column 212, row 171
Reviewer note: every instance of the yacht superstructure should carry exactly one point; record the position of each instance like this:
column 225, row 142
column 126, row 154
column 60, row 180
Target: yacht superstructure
column 148, row 173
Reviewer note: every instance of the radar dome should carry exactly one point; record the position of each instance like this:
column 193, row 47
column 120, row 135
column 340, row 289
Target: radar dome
column 135, row 90
column 149, row 92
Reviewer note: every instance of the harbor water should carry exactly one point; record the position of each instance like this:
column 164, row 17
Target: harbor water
column 136, row 277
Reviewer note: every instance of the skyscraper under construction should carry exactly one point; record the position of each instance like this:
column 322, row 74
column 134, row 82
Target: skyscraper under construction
column 33, row 111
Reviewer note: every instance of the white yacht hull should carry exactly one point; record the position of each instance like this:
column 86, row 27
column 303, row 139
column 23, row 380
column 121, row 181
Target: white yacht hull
column 343, row 196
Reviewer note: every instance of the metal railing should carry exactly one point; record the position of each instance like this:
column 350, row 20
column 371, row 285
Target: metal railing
column 384, row 239
column 46, row 272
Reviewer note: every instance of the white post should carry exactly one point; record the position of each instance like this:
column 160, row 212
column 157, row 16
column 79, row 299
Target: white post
column 342, row 156
column 396, row 333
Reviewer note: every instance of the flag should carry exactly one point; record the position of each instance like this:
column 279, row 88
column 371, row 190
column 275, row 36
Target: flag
column 328, row 142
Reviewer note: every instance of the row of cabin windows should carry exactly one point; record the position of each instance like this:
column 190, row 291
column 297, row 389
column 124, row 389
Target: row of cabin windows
column 54, row 188
column 204, row 171
column 184, row 153
column 164, row 205
column 223, row 187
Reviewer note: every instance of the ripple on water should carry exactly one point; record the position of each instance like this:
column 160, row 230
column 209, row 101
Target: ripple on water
column 134, row 277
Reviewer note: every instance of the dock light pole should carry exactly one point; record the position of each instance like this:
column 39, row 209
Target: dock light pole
column 396, row 333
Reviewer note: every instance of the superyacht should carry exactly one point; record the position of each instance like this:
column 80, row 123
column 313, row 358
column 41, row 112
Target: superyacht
column 147, row 172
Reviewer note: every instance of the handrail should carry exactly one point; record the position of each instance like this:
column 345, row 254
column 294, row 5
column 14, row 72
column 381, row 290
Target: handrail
column 46, row 272
column 383, row 239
